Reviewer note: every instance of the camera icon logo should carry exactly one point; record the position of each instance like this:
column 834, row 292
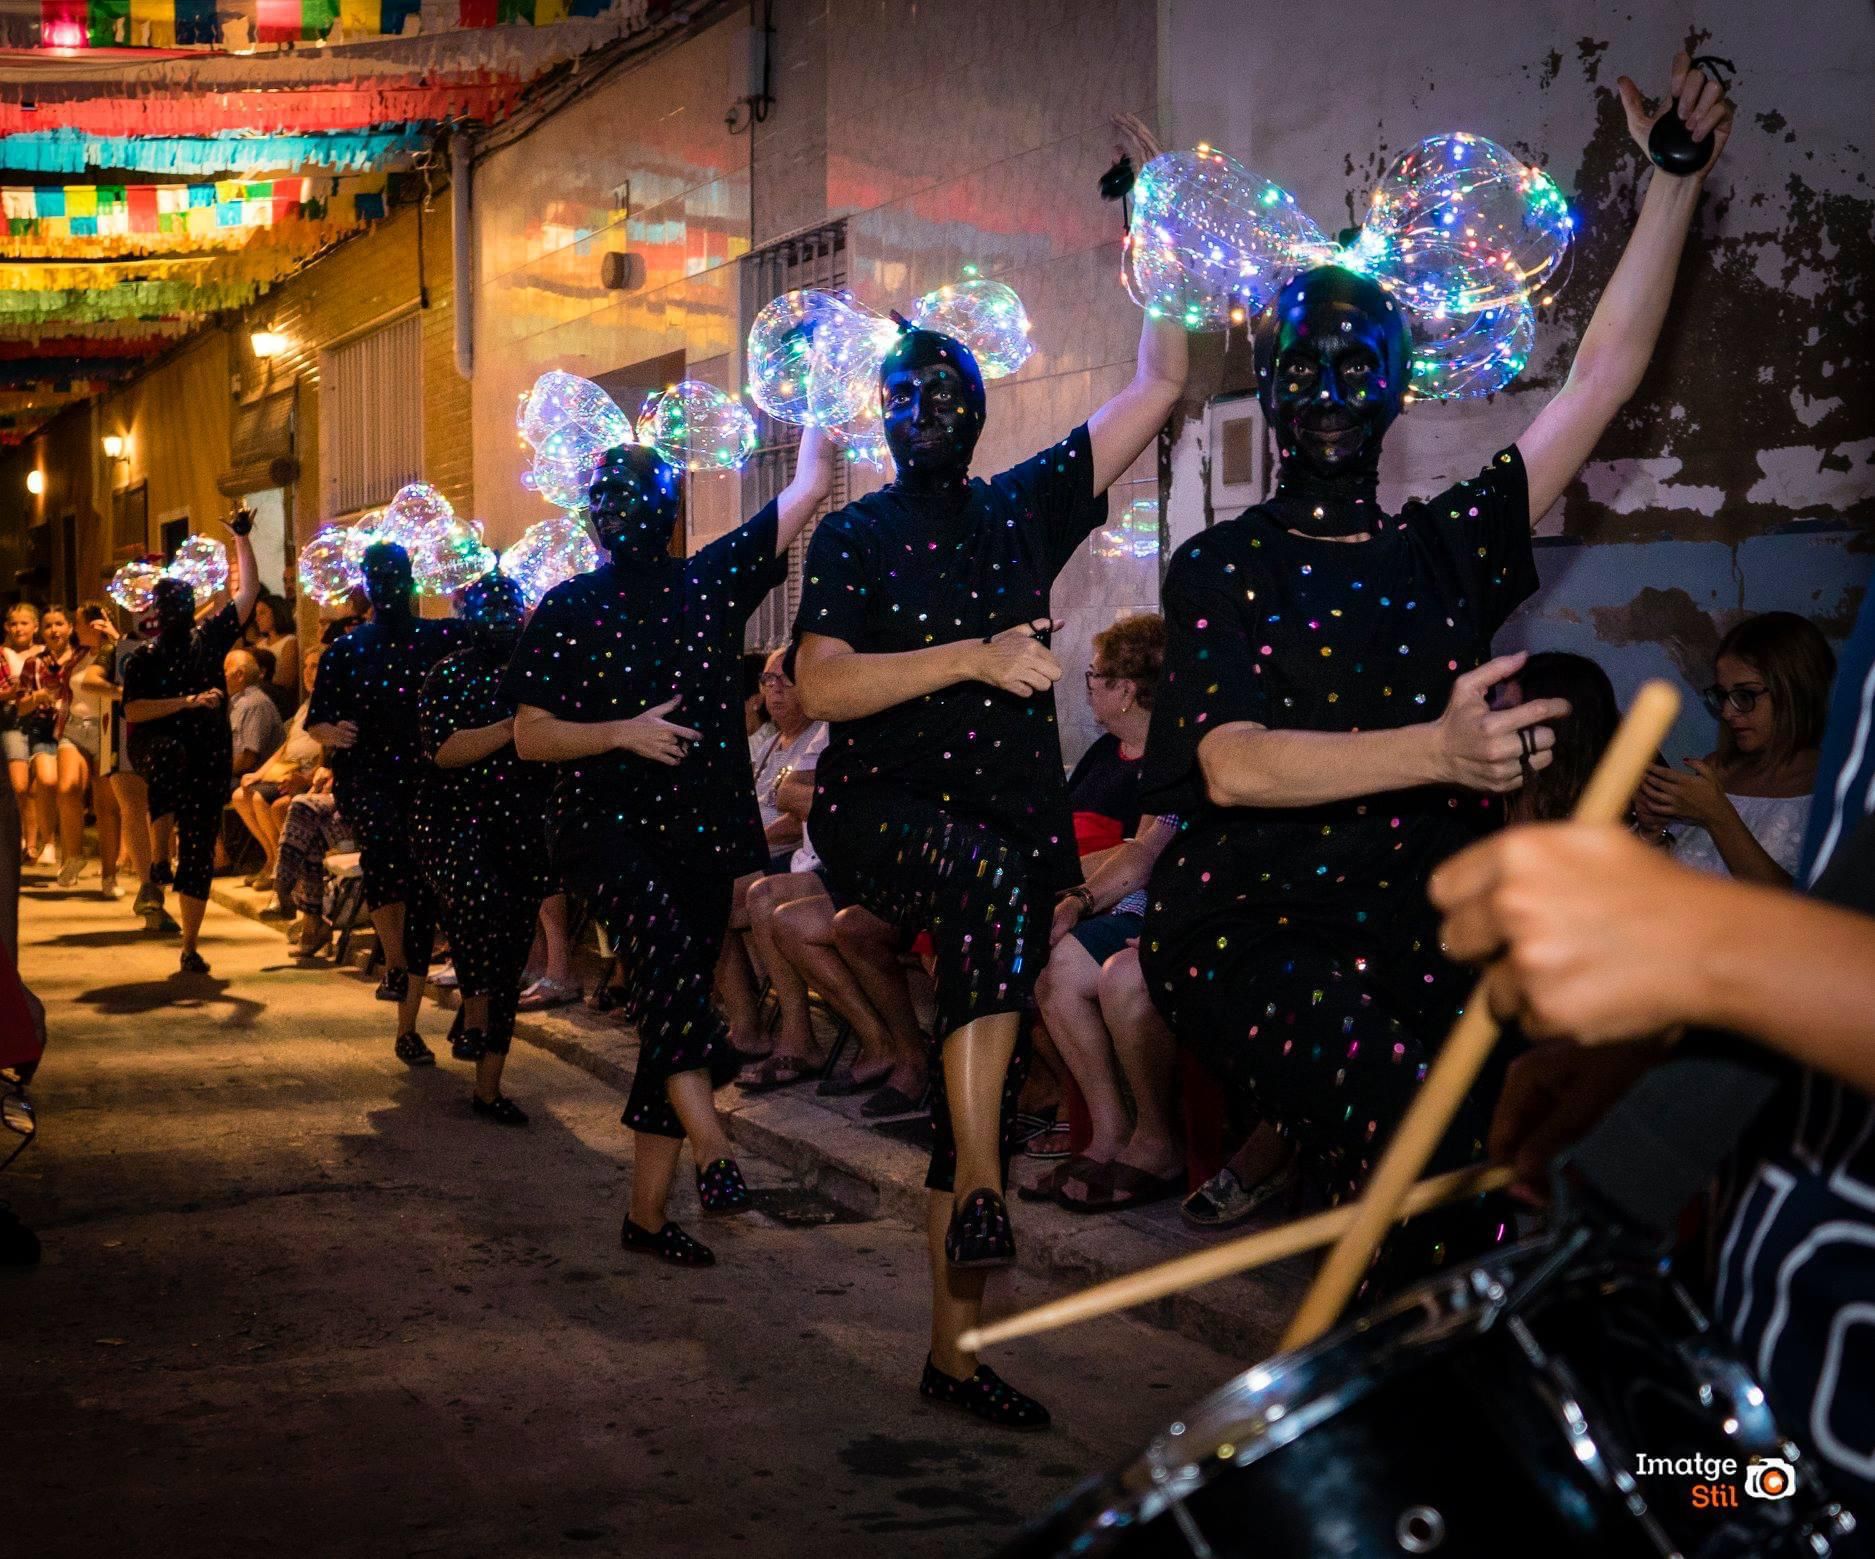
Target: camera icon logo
column 1770, row 1478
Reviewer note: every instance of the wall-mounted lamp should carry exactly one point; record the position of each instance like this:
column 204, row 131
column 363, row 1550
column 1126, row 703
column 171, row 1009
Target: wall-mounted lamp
column 113, row 446
column 267, row 343
column 35, row 482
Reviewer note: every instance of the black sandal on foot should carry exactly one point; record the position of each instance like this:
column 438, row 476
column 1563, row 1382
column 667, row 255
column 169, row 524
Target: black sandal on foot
column 412, row 1051
column 192, row 963
column 986, row 1394
column 469, row 1045
column 979, row 1233
column 721, row 1188
column 670, row 1244
column 395, row 985
column 502, row 1110
column 889, row 1104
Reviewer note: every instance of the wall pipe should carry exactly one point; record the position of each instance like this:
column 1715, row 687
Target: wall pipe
column 462, row 246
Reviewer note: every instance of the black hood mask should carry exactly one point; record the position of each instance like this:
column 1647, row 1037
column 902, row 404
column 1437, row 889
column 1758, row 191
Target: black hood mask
column 495, row 610
column 173, row 606
column 1333, row 353
column 633, row 501
column 931, row 400
column 386, row 569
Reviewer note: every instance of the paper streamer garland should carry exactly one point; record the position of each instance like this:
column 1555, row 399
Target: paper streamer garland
column 1458, row 228
column 73, row 151
column 697, row 427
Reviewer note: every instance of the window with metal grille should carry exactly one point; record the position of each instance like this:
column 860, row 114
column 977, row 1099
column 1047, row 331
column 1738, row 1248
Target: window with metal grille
column 815, row 258
column 371, row 416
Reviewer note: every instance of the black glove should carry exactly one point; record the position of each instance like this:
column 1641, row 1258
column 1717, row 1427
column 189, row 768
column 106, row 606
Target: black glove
column 243, row 522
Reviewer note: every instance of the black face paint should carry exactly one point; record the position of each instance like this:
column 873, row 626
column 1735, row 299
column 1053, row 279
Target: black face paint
column 931, row 398
column 633, row 503
column 495, row 610
column 1333, row 355
column 386, row 570
column 174, row 602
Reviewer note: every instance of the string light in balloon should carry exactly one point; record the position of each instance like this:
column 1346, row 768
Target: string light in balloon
column 550, row 552
column 132, row 584
column 327, row 573
column 202, row 562
column 986, row 316
column 697, row 427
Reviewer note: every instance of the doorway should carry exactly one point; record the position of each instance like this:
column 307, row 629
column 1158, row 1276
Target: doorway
column 269, row 537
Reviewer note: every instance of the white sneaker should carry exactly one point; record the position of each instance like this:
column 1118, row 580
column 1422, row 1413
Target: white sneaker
column 44, row 857
column 109, row 889
column 71, row 871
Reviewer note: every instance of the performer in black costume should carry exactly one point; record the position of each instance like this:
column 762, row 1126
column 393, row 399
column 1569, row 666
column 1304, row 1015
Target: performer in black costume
column 1323, row 726
column 174, row 699
column 481, row 832
column 652, row 818
column 939, row 802
column 364, row 709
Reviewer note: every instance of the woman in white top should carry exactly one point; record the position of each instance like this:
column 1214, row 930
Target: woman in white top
column 21, row 646
column 85, row 745
column 1743, row 809
column 261, row 798
column 272, row 629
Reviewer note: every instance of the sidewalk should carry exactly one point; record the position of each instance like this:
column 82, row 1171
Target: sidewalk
column 832, row 1150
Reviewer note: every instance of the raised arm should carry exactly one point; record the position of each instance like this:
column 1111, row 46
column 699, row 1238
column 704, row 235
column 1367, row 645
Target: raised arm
column 1122, row 428
column 247, row 592
column 813, row 481
column 1619, row 342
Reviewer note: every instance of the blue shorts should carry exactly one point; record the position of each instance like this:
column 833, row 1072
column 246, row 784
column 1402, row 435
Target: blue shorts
column 19, row 746
column 1105, row 935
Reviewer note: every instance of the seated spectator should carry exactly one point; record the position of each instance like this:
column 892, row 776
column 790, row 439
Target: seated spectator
column 16, row 741
column 310, row 830
column 355, row 611
column 1550, row 794
column 788, row 744
column 251, row 713
column 271, row 629
column 1742, row 809
column 261, row 794
column 282, row 699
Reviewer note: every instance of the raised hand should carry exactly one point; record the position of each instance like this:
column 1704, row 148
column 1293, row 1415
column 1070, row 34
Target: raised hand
column 1017, row 661
column 650, row 735
column 1699, row 100
column 1481, row 748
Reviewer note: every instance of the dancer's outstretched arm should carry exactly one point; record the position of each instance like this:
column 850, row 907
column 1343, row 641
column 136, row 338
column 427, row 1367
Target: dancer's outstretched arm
column 1619, row 342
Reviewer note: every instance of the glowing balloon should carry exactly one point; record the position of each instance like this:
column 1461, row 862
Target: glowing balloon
column 327, row 573
column 863, row 438
column 360, row 534
column 787, row 339
column 549, row 553
column 562, row 469
column 560, row 401
column 131, row 585
column 203, row 563
column 985, row 316
column 696, row 427
column 1208, row 235
column 1459, row 217
column 450, row 556
column 1463, row 356
column 843, row 375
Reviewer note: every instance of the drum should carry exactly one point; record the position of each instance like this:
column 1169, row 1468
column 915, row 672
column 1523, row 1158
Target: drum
column 1542, row 1403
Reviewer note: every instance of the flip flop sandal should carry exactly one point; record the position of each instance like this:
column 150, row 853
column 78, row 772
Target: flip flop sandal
column 1048, row 1188
column 888, row 1104
column 1055, row 1142
column 1121, row 1187
column 844, row 1084
column 774, row 1072
column 1224, row 1201
column 1026, row 1127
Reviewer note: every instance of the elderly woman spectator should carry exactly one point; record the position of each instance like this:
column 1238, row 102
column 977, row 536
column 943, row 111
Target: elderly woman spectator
column 261, row 796
column 253, row 722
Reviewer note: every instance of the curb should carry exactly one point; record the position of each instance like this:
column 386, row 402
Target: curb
column 825, row 1144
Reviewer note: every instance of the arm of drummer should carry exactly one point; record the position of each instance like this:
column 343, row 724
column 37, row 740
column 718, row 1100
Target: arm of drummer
column 1625, row 327
column 1594, row 937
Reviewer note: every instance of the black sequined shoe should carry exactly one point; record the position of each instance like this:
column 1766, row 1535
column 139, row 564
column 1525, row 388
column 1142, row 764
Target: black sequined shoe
column 502, row 1110
column 721, row 1188
column 979, row 1234
column 192, row 962
column 468, row 1045
column 412, row 1051
column 987, row 1395
column 395, row 985
column 670, row 1244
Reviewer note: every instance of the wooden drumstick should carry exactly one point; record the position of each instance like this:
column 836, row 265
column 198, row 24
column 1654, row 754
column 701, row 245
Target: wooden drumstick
column 1221, row 1261
column 1605, row 799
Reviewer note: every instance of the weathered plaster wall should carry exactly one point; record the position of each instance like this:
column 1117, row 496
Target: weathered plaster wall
column 1742, row 477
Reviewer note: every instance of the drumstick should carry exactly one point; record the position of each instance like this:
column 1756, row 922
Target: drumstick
column 1604, row 801
column 1220, row 1261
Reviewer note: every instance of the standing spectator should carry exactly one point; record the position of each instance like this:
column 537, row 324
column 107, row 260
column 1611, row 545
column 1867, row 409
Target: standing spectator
column 272, row 630
column 253, row 722
column 1742, row 809
column 180, row 737
column 89, row 737
column 21, row 647
column 58, row 781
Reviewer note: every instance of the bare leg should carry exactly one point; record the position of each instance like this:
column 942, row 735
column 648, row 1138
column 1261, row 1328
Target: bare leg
column 388, row 921
column 45, row 796
column 804, row 931
column 735, row 980
column 956, row 1296
column 411, row 1006
column 654, row 1167
column 869, row 948
column 72, row 777
column 488, row 1076
column 133, row 806
column 553, row 935
column 1148, row 1055
column 110, row 827
column 191, row 913
column 765, row 900
column 695, row 1105
column 269, row 819
column 20, row 776
column 163, row 839
column 976, row 1065
column 1069, row 995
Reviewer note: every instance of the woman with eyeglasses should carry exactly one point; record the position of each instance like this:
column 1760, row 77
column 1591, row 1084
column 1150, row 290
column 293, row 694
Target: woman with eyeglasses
column 1742, row 809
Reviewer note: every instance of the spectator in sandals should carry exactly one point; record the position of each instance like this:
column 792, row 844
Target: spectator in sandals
column 788, row 743
column 89, row 736
column 260, row 796
column 58, row 779
column 1741, row 810
column 311, row 830
column 20, row 648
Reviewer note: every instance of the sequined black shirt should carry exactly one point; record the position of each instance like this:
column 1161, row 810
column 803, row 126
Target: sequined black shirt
column 612, row 643
column 896, row 571
column 166, row 668
column 373, row 677
column 1297, row 633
